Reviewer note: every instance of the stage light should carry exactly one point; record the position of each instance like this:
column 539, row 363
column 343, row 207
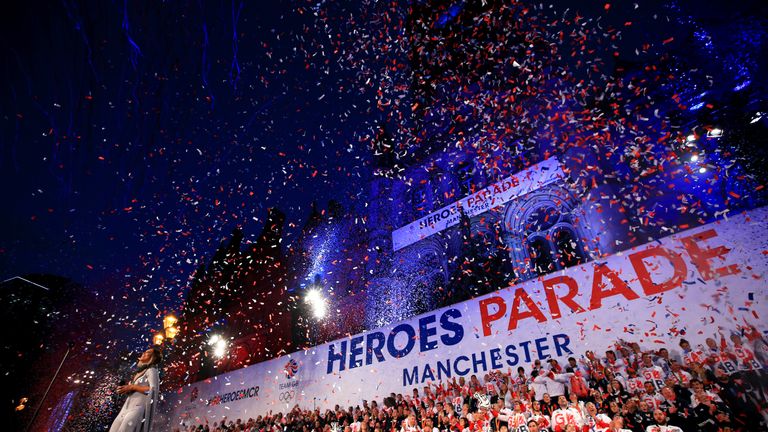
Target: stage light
column 218, row 346
column 220, row 349
column 691, row 138
column 171, row 332
column 213, row 339
column 694, row 158
column 702, row 170
column 158, row 339
column 314, row 297
column 169, row 321
column 715, row 133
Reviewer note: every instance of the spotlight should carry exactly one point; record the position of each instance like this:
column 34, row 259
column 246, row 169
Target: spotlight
column 715, row 133
column 702, row 170
column 218, row 346
column 694, row 158
column 691, row 138
column 317, row 303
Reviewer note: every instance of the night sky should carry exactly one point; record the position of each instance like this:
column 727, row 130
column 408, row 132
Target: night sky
column 134, row 136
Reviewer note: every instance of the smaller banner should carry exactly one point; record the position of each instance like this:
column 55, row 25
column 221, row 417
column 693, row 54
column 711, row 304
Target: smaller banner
column 490, row 197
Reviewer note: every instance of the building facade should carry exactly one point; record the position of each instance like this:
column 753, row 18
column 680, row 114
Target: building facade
column 489, row 95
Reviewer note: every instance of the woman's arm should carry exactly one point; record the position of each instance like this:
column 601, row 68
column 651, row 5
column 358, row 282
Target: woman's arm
column 140, row 388
column 152, row 377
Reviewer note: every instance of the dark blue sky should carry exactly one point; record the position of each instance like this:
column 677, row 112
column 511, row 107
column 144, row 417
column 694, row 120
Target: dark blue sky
column 132, row 139
column 133, row 136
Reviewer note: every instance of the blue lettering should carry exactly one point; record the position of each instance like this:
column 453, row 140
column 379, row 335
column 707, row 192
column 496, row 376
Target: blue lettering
column 355, row 351
column 562, row 345
column 455, row 328
column 425, row 332
column 411, row 379
column 375, row 349
column 427, row 374
column 333, row 356
column 541, row 348
column 476, row 362
column 410, row 332
column 456, row 365
column 525, row 349
column 443, row 370
column 495, row 359
column 513, row 358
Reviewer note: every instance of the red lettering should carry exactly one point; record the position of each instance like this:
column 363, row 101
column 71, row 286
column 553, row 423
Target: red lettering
column 567, row 299
column 701, row 257
column 517, row 315
column 644, row 275
column 486, row 317
column 599, row 293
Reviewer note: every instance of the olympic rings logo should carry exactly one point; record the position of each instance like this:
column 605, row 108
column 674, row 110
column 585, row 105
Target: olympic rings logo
column 286, row 396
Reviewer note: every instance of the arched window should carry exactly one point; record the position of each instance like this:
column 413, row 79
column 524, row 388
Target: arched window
column 551, row 240
column 541, row 255
column 569, row 252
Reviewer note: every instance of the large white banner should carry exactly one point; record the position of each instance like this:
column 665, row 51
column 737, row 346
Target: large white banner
column 492, row 196
column 696, row 284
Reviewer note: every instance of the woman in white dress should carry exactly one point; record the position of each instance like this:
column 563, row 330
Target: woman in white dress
column 143, row 391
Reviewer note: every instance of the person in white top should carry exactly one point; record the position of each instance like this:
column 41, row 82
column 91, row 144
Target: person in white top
column 565, row 416
column 410, row 425
column 617, row 425
column 518, row 418
column 650, row 372
column 594, row 422
column 556, row 385
column 143, row 395
column 663, row 360
column 534, row 426
column 553, row 383
column 428, row 426
column 660, row 423
column 541, row 419
column 503, row 413
column 680, row 376
column 538, row 385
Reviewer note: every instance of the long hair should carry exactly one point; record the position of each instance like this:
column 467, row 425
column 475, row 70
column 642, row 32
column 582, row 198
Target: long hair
column 157, row 357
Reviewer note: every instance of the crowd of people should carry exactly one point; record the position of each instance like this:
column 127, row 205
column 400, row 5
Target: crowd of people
column 719, row 386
